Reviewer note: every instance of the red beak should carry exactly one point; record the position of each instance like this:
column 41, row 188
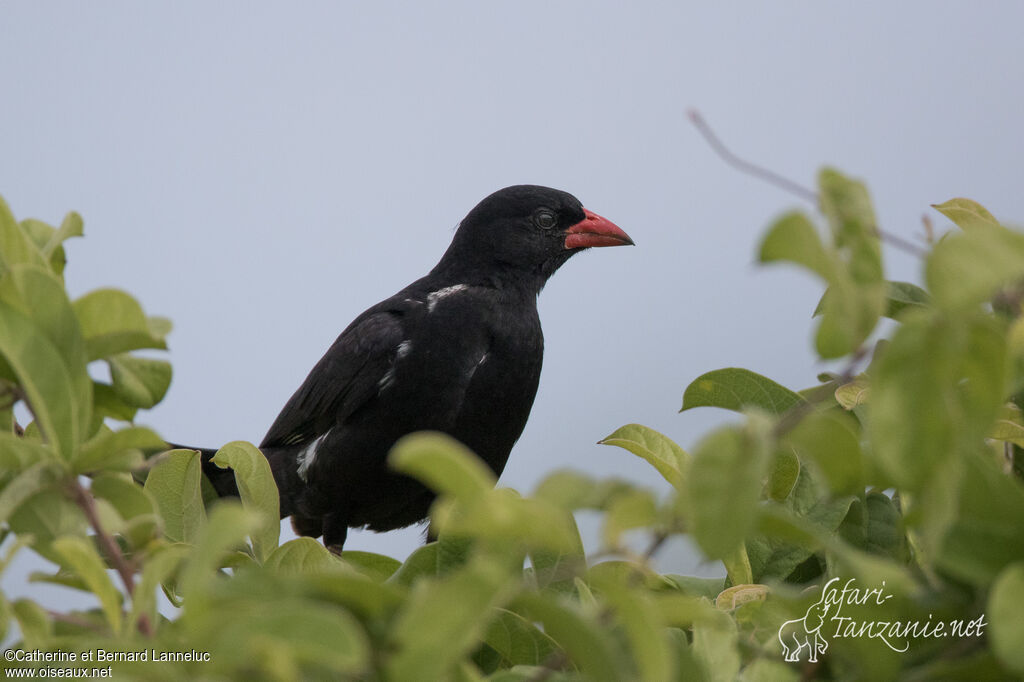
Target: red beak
column 595, row 231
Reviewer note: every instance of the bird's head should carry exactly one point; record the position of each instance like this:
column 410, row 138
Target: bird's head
column 528, row 231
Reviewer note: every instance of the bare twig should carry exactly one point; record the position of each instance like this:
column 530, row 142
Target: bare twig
column 77, row 621
column 115, row 556
column 783, row 182
column 746, row 166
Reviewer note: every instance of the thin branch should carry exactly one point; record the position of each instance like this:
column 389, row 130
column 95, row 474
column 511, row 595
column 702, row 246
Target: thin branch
column 115, row 556
column 77, row 621
column 746, row 166
column 783, row 182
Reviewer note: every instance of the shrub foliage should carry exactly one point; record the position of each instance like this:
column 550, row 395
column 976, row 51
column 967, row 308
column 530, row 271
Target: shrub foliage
column 900, row 471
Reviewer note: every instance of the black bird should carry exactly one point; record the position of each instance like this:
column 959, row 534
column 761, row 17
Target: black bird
column 457, row 351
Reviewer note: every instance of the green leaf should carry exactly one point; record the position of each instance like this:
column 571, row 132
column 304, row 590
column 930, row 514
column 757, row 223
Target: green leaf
column 174, row 484
column 853, row 394
column 898, row 297
column 736, row 596
column 724, row 486
column 628, row 512
column 776, row 555
column 44, row 377
column 432, row 636
column 641, row 622
column 588, row 645
column 715, row 645
column 46, row 516
column 158, row 568
column 24, row 485
column 443, row 464
column 738, row 389
column 558, row 570
column 517, row 641
column 903, row 295
column 937, row 385
column 967, row 214
column 71, row 226
column 258, row 491
column 966, row 268
column 301, row 555
column 422, row 562
column 783, row 474
column 33, row 621
column 657, row 449
column 118, row 450
column 139, row 382
column 1009, row 427
column 132, row 503
column 15, row 244
column 794, row 238
column 228, row 525
column 375, row 566
column 831, row 440
column 80, row 556
column 847, row 206
column 1006, row 617
column 113, row 322
column 17, row 453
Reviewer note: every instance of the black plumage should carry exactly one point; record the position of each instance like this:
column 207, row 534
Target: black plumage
column 457, row 351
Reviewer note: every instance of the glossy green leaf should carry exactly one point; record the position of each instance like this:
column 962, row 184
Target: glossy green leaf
column 15, row 244
column 434, row 636
column 257, row 489
column 793, row 238
column 658, row 450
column 966, row 268
column 724, row 486
column 226, row 530
column 24, row 485
column 938, row 384
column 34, row 623
column 831, row 440
column 375, row 566
column 516, row 640
column 46, row 516
column 120, row 450
column 1006, row 618
column 81, row 556
column 782, row 475
column 113, row 322
column 71, row 226
column 158, row 568
column 301, row 555
column 139, row 382
column 899, row 296
column 442, row 463
column 967, row 214
column 715, row 645
column 557, row 570
column 44, row 377
column 738, row 389
column 174, row 484
column 588, row 646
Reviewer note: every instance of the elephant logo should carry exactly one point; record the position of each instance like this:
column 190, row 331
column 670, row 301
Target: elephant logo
column 800, row 633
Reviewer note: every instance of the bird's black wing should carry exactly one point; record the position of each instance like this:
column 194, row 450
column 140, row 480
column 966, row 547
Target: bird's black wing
column 345, row 378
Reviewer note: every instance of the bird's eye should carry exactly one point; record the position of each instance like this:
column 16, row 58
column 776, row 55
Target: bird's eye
column 545, row 219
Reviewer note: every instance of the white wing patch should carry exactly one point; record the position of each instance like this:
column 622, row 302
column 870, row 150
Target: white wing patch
column 436, row 296
column 308, row 454
column 389, row 376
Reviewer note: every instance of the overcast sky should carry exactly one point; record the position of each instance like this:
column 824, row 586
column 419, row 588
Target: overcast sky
column 262, row 172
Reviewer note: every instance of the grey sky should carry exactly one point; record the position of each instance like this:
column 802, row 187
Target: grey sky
column 261, row 173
